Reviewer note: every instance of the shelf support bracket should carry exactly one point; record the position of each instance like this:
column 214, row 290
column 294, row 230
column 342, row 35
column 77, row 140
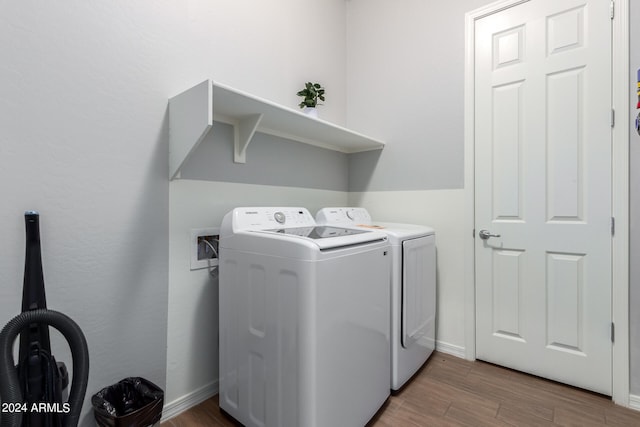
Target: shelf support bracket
column 242, row 135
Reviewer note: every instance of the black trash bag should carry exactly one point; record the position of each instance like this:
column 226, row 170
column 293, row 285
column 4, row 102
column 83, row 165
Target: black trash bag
column 132, row 402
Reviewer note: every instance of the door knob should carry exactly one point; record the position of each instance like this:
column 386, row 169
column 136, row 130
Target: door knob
column 485, row 234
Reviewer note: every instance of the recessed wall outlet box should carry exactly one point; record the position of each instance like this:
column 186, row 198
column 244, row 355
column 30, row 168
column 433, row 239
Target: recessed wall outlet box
column 204, row 247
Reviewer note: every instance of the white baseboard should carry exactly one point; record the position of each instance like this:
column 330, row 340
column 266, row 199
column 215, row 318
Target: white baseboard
column 190, row 400
column 454, row 350
column 634, row 402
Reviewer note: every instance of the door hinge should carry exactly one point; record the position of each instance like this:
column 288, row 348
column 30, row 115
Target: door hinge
column 613, row 117
column 613, row 332
column 612, row 9
column 613, row 226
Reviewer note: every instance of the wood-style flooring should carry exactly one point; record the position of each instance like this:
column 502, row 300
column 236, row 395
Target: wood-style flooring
column 449, row 391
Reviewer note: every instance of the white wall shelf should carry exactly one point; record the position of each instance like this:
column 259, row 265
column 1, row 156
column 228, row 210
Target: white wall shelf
column 192, row 113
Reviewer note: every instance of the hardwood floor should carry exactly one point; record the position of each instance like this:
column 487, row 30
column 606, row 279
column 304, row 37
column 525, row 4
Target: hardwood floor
column 449, row 391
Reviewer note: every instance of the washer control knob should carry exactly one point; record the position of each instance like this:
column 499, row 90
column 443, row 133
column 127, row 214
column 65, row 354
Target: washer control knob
column 350, row 214
column 279, row 217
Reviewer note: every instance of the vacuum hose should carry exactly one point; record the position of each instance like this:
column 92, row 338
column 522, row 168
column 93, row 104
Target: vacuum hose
column 10, row 391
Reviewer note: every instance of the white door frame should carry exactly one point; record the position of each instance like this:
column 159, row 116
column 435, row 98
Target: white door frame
column 620, row 190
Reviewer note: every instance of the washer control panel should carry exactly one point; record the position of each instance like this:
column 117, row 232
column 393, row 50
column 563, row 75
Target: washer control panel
column 266, row 218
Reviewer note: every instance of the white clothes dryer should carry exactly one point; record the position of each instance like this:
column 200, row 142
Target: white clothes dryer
column 413, row 287
column 304, row 320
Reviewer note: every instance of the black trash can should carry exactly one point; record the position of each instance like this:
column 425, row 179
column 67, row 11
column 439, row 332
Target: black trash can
column 132, row 402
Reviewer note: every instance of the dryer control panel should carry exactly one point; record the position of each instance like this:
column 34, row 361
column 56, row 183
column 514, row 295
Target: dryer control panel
column 343, row 216
column 266, row 218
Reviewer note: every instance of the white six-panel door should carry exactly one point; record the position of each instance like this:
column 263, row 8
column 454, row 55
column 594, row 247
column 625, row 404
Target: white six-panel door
column 543, row 184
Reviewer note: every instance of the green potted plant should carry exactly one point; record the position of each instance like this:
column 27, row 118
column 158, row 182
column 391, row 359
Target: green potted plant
column 312, row 92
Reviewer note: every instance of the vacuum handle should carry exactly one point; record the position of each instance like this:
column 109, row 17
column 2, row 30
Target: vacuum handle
column 33, row 294
column 33, row 298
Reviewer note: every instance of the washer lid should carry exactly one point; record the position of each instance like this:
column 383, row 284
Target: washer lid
column 328, row 237
column 319, row 232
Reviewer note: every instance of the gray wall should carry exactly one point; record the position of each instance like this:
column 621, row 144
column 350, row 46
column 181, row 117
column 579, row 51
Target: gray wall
column 405, row 84
column 634, row 214
column 83, row 140
column 270, row 161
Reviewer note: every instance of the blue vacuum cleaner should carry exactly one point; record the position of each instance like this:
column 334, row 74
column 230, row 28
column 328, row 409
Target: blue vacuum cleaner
column 32, row 392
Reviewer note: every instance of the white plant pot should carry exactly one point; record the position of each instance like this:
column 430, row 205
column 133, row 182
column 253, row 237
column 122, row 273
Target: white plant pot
column 310, row 111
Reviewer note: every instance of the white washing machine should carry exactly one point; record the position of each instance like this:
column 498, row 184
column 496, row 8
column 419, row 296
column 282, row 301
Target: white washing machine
column 413, row 287
column 304, row 320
